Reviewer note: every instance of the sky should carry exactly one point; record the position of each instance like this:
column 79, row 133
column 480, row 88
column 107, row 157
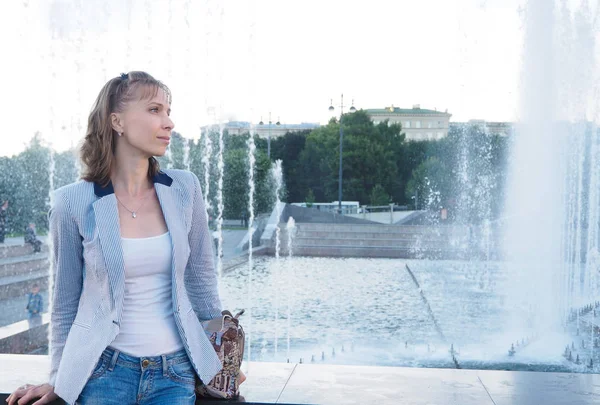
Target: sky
column 241, row 59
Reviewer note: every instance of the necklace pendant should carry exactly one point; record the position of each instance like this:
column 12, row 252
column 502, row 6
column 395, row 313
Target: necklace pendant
column 133, row 214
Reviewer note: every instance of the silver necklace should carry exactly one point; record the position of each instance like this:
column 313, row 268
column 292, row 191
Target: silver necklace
column 133, row 213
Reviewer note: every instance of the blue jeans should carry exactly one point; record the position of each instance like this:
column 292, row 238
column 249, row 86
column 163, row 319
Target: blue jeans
column 34, row 320
column 122, row 379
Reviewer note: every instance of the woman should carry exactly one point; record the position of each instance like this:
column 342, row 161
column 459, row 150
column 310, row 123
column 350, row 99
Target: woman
column 132, row 261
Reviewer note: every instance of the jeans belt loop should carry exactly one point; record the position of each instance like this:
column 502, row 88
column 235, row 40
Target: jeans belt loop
column 113, row 361
column 164, row 364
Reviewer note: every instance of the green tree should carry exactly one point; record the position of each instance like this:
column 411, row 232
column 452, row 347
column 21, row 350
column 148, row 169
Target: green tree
column 379, row 196
column 264, row 199
column 235, row 183
column 65, row 168
column 9, row 184
column 175, row 156
column 317, row 163
column 310, row 198
column 429, row 184
column 288, row 148
column 30, row 195
column 467, row 170
column 408, row 157
column 369, row 159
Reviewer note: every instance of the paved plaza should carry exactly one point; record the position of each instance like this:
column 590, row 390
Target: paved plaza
column 290, row 383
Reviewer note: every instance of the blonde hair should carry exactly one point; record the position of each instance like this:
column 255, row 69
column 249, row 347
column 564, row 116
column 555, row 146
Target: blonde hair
column 97, row 151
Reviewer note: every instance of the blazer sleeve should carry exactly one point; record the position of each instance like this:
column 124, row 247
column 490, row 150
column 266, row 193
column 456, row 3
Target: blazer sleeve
column 67, row 277
column 200, row 273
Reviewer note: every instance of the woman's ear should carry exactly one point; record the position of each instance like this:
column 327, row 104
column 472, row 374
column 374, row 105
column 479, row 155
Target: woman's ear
column 117, row 122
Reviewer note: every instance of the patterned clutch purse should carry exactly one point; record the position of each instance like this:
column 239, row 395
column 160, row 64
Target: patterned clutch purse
column 227, row 338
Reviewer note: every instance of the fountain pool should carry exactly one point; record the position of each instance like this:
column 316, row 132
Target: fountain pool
column 371, row 312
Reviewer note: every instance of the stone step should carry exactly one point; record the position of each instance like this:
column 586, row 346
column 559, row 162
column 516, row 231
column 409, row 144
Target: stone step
column 19, row 285
column 23, row 264
column 375, row 252
column 17, row 250
column 387, row 229
column 369, row 242
column 373, row 235
column 377, row 226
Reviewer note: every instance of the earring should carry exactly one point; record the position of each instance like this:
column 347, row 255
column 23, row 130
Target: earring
column 120, row 133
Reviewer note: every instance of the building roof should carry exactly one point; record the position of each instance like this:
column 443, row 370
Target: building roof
column 406, row 111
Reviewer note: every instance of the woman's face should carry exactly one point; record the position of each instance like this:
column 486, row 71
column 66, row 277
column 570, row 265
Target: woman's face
column 146, row 124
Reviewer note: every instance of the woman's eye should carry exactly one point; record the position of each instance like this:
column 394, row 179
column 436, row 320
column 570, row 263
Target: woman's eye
column 154, row 109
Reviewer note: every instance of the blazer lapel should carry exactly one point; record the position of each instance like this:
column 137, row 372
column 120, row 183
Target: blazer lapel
column 172, row 208
column 109, row 233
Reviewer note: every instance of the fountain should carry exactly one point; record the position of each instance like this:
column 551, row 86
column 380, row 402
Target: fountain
column 186, row 153
column 220, row 206
column 550, row 228
column 551, row 233
column 206, row 163
column 169, row 157
column 252, row 162
column 277, row 174
column 291, row 226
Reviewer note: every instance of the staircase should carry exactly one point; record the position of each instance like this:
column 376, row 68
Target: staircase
column 20, row 269
column 375, row 240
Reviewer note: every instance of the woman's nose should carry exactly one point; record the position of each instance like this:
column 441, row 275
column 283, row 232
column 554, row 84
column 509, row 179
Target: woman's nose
column 169, row 124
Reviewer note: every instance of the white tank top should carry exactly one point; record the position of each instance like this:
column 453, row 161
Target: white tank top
column 148, row 325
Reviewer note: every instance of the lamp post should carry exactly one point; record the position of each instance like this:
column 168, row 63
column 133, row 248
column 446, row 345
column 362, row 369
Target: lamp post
column 269, row 134
column 352, row 109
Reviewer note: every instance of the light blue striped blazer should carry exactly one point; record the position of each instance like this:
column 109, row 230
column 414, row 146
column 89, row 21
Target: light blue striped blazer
column 88, row 276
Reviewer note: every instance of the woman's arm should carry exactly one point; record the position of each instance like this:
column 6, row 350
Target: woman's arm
column 67, row 277
column 200, row 276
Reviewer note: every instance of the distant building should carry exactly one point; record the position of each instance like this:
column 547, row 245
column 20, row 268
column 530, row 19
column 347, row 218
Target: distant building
column 418, row 124
column 242, row 127
column 493, row 128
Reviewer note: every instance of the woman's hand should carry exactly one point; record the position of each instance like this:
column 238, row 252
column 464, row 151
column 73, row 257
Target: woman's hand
column 28, row 392
column 242, row 377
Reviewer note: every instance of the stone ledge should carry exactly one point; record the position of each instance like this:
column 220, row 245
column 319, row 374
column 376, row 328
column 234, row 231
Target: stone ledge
column 375, row 252
column 20, row 285
column 282, row 383
column 14, row 247
column 20, row 278
column 19, row 338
